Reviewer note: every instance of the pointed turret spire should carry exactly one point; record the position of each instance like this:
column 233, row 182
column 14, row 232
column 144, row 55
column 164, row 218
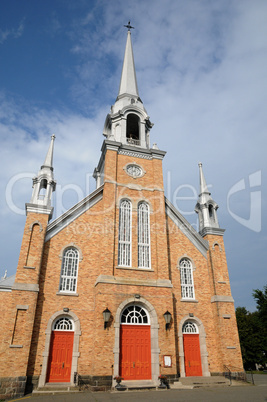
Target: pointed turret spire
column 48, row 163
column 128, row 84
column 206, row 207
column 43, row 185
column 204, row 193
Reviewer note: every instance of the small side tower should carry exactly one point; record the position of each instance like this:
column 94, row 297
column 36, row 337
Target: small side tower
column 221, row 297
column 43, row 185
column 206, row 208
column 23, row 299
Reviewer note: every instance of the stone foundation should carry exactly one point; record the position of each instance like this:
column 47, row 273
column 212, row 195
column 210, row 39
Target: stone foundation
column 94, row 383
column 32, row 383
column 11, row 387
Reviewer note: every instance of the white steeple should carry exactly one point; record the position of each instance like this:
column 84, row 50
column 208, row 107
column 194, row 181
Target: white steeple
column 43, row 185
column 206, row 208
column 128, row 84
column 128, row 122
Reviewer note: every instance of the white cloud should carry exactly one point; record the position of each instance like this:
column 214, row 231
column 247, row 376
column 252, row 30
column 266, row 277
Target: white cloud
column 201, row 70
column 13, row 33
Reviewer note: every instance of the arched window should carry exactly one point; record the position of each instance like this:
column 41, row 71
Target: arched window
column 211, row 212
column 187, row 283
column 42, row 189
column 143, row 235
column 63, row 324
column 190, row 328
column 135, row 315
column 69, row 270
column 132, row 130
column 125, row 233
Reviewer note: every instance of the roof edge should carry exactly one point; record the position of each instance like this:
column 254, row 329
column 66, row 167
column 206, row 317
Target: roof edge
column 74, row 212
column 187, row 229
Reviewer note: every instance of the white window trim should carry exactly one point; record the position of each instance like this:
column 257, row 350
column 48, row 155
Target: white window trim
column 148, row 244
column 135, row 315
column 183, row 285
column 66, row 319
column 124, row 243
column 193, row 325
column 68, row 276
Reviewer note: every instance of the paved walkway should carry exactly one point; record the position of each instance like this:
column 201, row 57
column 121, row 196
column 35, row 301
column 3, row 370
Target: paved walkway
column 241, row 393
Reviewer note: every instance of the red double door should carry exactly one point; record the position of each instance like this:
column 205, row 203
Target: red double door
column 60, row 356
column 192, row 357
column 135, row 352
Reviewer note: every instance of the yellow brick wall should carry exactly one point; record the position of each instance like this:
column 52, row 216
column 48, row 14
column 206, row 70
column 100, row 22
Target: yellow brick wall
column 95, row 233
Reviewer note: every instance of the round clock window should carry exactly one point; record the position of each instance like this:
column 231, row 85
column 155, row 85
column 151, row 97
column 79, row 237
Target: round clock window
column 134, row 171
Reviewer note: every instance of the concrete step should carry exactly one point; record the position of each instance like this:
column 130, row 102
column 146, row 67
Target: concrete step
column 139, row 384
column 55, row 388
column 179, row 385
column 197, row 382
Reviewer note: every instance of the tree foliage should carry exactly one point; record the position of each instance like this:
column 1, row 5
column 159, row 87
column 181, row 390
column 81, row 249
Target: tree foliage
column 252, row 328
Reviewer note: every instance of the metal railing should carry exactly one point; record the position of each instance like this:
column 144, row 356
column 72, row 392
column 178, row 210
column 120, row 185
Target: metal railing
column 132, row 141
column 234, row 373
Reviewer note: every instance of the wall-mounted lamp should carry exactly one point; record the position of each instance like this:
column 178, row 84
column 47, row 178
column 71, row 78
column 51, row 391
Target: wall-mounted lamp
column 106, row 315
column 167, row 316
column 66, row 309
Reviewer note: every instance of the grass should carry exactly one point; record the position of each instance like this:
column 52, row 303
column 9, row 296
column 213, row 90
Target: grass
column 256, row 372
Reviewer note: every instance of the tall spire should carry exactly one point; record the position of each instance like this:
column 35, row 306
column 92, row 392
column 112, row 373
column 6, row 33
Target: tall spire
column 206, row 207
column 128, row 84
column 48, row 163
column 128, row 121
column 43, row 185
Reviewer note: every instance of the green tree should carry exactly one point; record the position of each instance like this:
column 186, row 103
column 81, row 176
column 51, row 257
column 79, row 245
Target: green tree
column 261, row 300
column 252, row 328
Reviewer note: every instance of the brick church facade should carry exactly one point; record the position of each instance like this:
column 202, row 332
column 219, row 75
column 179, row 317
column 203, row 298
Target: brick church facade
column 120, row 284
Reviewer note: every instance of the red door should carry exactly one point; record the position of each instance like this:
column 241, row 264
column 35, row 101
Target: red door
column 135, row 352
column 192, row 358
column 60, row 356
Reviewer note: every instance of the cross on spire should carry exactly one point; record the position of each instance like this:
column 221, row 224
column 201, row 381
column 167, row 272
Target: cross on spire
column 129, row 26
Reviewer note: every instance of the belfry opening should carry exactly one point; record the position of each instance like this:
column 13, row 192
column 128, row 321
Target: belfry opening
column 132, row 129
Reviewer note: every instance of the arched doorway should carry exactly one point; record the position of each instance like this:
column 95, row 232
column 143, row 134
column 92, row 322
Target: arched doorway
column 48, row 342
column 154, row 329
column 60, row 354
column 135, row 344
column 192, row 357
column 202, row 344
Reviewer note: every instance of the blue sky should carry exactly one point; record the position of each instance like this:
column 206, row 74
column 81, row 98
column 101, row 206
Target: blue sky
column 201, row 70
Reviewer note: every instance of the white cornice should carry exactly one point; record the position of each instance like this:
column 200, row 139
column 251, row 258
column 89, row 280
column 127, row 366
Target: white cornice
column 211, row 231
column 39, row 209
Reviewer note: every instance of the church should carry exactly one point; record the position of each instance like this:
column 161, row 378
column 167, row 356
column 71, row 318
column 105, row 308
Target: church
column 120, row 284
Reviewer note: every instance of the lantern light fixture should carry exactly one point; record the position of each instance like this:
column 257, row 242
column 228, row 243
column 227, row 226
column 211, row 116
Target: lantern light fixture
column 106, row 316
column 167, row 316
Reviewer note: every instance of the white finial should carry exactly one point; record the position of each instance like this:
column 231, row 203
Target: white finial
column 5, row 274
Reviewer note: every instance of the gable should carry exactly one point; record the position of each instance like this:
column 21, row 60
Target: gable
column 73, row 213
column 201, row 244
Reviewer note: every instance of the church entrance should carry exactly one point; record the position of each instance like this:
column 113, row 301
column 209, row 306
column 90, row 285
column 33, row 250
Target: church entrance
column 192, row 357
column 135, row 344
column 60, row 354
